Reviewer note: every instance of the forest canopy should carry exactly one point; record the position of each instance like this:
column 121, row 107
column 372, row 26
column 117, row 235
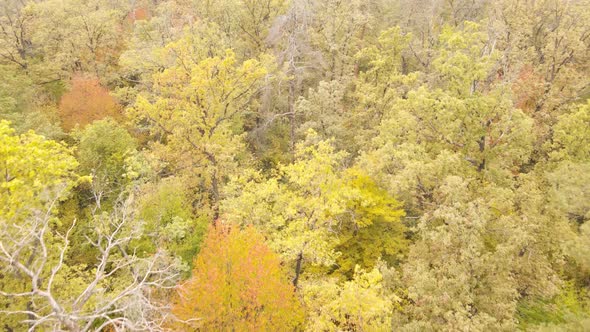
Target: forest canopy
column 294, row 165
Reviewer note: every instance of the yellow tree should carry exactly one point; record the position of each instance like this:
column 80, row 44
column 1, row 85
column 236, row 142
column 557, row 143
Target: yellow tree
column 360, row 304
column 36, row 175
column 313, row 211
column 195, row 115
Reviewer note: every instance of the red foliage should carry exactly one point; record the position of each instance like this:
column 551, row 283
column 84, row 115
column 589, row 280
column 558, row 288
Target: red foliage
column 86, row 102
column 237, row 285
column 527, row 88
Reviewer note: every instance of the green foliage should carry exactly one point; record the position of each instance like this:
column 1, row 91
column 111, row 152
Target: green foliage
column 15, row 94
column 567, row 311
column 94, row 51
column 245, row 22
column 103, row 150
column 36, row 175
column 464, row 59
column 570, row 189
column 450, row 130
column 571, row 135
column 324, row 112
column 183, row 46
column 456, row 281
column 17, row 104
column 169, row 220
column 578, row 249
column 380, row 82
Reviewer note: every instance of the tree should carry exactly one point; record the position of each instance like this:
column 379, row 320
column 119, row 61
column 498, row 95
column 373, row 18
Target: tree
column 237, row 285
column 42, row 38
column 324, row 111
column 196, row 115
column 16, row 21
column 545, row 55
column 16, row 95
column 23, row 103
column 39, row 288
column 120, row 291
column 296, row 59
column 172, row 38
column 551, row 39
column 170, row 222
column 80, row 36
column 34, row 172
column 456, row 151
column 461, row 125
column 379, row 83
column 390, row 164
column 571, row 135
column 87, row 101
column 361, row 304
column 454, row 281
column 378, row 234
column 244, row 22
column 474, row 263
column 306, row 207
column 103, row 150
column 338, row 30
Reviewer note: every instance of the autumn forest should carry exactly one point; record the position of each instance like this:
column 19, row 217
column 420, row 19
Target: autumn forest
column 294, row 165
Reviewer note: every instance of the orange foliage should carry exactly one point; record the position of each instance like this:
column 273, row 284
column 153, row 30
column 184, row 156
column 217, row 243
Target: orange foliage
column 138, row 14
column 86, row 102
column 237, row 285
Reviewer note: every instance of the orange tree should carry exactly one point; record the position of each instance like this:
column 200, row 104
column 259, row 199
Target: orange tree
column 237, row 285
column 86, row 102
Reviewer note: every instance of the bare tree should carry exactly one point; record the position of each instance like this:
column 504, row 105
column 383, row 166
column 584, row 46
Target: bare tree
column 120, row 290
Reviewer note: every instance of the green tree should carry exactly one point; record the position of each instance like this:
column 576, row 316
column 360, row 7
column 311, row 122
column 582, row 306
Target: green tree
column 380, row 82
column 164, row 41
column 551, row 39
column 165, row 207
column 77, row 35
column 455, row 281
column 103, row 152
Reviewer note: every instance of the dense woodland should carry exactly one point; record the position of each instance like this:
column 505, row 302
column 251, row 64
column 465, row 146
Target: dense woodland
column 294, row 165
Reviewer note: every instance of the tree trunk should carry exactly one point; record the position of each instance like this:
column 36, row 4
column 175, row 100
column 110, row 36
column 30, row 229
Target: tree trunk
column 297, row 269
